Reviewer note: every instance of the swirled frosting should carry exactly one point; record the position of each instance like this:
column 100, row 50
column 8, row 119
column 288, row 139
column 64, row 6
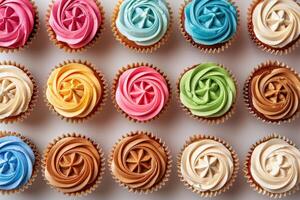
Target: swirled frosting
column 16, row 90
column 16, row 22
column 207, row 90
column 142, row 93
column 144, row 22
column 276, row 93
column 276, row 22
column 75, row 22
column 206, row 165
column 16, row 162
column 210, row 22
column 74, row 90
column 275, row 166
column 72, row 165
column 139, row 162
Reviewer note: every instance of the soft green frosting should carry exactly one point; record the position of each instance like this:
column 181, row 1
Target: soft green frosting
column 207, row 90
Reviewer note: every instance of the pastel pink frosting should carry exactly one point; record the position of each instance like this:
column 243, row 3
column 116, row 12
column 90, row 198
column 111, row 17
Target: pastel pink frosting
column 16, row 22
column 75, row 22
column 142, row 93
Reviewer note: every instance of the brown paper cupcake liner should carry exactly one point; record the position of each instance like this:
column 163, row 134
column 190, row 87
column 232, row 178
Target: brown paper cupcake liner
column 213, row 49
column 247, row 93
column 276, row 51
column 213, row 120
column 159, row 185
column 66, row 47
column 36, row 165
column 93, row 187
column 131, row 44
column 24, row 115
column 115, row 86
column 256, row 187
column 100, row 104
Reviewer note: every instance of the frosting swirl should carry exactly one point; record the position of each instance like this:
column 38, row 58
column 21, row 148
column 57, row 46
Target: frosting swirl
column 139, row 162
column 143, row 21
column 210, row 22
column 16, row 163
column 275, row 166
column 16, row 22
column 207, row 90
column 72, row 165
column 75, row 22
column 142, row 93
column 16, row 90
column 276, row 22
column 74, row 90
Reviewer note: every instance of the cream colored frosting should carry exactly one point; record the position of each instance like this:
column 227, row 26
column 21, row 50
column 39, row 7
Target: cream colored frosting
column 275, row 166
column 16, row 90
column 276, row 22
column 206, row 165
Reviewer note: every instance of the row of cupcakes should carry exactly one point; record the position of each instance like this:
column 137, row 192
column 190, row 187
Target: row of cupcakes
column 76, row 90
column 144, row 25
column 141, row 162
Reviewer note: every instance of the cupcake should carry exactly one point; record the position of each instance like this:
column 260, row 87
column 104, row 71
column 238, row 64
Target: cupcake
column 210, row 25
column 19, row 162
column 274, row 25
column 73, row 165
column 74, row 25
column 142, row 25
column 75, row 90
column 140, row 162
column 272, row 92
column 208, row 92
column 272, row 167
column 207, row 165
column 141, row 92
column 19, row 23
column 18, row 93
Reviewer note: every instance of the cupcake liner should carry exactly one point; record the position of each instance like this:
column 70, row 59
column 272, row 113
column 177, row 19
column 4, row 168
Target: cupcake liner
column 64, row 46
column 276, row 51
column 210, row 49
column 228, row 185
column 256, row 187
column 213, row 120
column 102, row 165
column 115, row 86
column 247, row 93
column 24, row 115
column 35, row 167
column 159, row 185
column 131, row 44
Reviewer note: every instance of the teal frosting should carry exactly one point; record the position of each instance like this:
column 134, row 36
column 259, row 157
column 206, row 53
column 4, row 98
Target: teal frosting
column 210, row 22
column 143, row 21
column 16, row 162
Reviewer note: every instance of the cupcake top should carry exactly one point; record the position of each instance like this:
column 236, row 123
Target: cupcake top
column 16, row 90
column 17, row 18
column 16, row 163
column 142, row 92
column 144, row 22
column 276, row 22
column 207, row 90
column 210, row 22
column 275, row 166
column 75, row 22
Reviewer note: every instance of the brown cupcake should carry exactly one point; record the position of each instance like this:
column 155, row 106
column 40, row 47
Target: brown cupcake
column 140, row 162
column 73, row 164
column 272, row 94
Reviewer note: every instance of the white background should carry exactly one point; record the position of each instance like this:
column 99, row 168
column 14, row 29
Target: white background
column 174, row 126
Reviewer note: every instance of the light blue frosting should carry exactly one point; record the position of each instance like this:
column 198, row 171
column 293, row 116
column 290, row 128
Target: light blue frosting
column 16, row 162
column 143, row 21
column 210, row 22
